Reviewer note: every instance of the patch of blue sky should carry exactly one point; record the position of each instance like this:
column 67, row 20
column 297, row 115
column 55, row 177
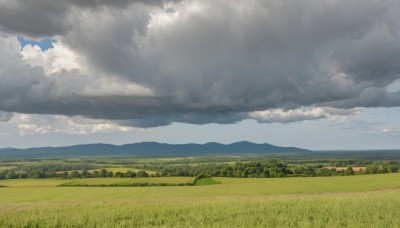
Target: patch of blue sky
column 44, row 44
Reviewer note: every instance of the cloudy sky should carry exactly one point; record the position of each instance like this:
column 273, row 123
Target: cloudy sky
column 319, row 74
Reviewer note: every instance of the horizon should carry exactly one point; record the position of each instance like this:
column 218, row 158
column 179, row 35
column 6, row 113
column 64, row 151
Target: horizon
column 188, row 143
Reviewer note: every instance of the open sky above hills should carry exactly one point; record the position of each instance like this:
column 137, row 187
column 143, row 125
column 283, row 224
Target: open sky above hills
column 317, row 74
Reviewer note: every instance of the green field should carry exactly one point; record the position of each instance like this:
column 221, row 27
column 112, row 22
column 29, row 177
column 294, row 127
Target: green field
column 129, row 181
column 124, row 170
column 354, row 201
column 30, row 183
column 113, row 169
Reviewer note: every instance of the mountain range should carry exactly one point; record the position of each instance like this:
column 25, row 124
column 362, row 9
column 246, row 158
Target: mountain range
column 151, row 149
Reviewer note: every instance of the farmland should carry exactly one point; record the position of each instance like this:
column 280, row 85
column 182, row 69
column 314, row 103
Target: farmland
column 233, row 191
column 325, row 201
column 131, row 181
column 92, row 181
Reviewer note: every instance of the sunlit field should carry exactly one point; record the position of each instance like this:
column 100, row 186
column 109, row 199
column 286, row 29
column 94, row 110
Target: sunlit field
column 355, row 201
column 129, row 181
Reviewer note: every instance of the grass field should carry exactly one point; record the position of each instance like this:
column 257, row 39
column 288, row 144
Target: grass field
column 124, row 170
column 128, row 181
column 355, row 201
column 113, row 169
column 29, row 183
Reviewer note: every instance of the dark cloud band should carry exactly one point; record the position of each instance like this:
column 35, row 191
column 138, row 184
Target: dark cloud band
column 209, row 61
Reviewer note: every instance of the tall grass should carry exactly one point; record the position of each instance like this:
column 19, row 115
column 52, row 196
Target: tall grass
column 358, row 201
column 367, row 209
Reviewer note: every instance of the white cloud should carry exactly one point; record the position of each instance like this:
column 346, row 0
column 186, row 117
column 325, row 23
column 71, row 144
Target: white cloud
column 78, row 125
column 91, row 81
column 53, row 60
column 391, row 131
column 293, row 115
column 45, row 124
column 33, row 129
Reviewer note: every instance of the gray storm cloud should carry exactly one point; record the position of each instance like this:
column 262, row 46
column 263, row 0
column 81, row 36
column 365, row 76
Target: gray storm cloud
column 210, row 61
column 38, row 18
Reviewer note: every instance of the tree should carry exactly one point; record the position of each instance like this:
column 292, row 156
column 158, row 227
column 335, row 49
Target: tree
column 37, row 174
column 11, row 175
column 64, row 175
column 299, row 170
column 75, row 174
column 96, row 174
column 349, row 171
column 85, row 174
column 393, row 169
column 371, row 170
column 118, row 174
column 103, row 173
column 142, row 173
column 22, row 175
column 265, row 172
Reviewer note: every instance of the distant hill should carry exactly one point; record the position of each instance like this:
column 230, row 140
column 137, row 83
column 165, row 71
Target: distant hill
column 151, row 149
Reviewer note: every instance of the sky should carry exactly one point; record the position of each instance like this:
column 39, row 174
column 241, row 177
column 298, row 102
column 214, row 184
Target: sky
column 317, row 74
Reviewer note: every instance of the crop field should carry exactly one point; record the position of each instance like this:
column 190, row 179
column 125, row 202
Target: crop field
column 30, row 183
column 354, row 201
column 113, row 169
column 333, row 210
column 355, row 169
column 124, row 170
column 93, row 181
column 128, row 181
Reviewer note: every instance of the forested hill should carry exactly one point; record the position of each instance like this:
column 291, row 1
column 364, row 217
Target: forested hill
column 152, row 149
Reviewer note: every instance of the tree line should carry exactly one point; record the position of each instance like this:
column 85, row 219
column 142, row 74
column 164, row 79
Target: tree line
column 268, row 169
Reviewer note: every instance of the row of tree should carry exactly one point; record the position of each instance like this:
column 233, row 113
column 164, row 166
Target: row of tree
column 273, row 168
column 103, row 173
column 268, row 169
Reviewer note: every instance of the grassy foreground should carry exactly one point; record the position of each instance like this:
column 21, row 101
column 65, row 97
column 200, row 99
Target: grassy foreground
column 358, row 201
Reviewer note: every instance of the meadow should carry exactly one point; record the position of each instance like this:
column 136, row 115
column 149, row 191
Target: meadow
column 123, row 170
column 55, row 182
column 352, row 201
column 112, row 169
column 130, row 181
